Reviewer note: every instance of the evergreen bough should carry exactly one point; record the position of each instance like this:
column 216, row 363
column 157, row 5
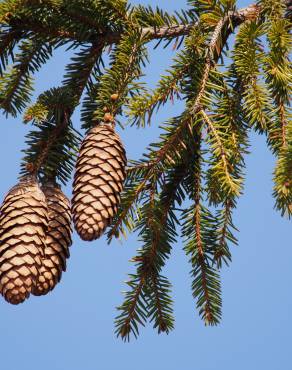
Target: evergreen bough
column 199, row 157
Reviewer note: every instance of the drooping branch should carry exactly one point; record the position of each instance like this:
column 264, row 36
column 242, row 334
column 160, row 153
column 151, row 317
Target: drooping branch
column 158, row 235
column 200, row 241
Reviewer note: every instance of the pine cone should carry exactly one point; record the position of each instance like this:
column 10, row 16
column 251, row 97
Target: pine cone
column 58, row 239
column 23, row 225
column 98, row 181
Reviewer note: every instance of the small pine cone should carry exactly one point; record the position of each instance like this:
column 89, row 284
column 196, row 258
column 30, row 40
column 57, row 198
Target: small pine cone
column 23, row 225
column 98, row 181
column 58, row 239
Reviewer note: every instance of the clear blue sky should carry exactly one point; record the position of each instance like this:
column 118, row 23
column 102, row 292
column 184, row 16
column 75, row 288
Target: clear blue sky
column 72, row 328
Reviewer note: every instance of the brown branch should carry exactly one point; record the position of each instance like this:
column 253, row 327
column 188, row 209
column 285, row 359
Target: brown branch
column 174, row 31
column 284, row 124
column 149, row 33
column 217, row 137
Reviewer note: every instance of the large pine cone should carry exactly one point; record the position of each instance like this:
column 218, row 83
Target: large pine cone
column 23, row 225
column 58, row 239
column 98, row 181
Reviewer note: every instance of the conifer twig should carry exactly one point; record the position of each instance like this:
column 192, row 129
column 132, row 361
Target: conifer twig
column 96, row 50
column 225, row 162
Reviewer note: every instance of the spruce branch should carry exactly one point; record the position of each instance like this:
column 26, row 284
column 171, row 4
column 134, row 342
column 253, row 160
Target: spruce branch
column 52, row 138
column 135, row 187
column 52, row 146
column 225, row 234
column 133, row 310
column 227, row 181
column 173, row 84
column 127, row 209
column 175, row 30
column 199, row 156
column 60, row 112
column 249, row 59
column 16, row 84
column 160, row 310
column 8, row 40
column 83, row 65
column 200, row 243
column 142, row 106
column 173, row 142
column 278, row 78
column 283, row 176
column 118, row 80
column 156, row 249
column 227, row 140
column 283, row 181
column 174, row 138
column 157, row 228
column 139, row 176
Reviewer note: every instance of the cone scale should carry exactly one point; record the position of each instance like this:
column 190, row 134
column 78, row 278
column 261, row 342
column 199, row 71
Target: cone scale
column 98, row 181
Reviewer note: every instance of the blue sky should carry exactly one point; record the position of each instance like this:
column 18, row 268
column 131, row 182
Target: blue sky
column 72, row 328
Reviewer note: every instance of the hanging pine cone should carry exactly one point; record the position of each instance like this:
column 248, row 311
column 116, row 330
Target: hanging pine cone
column 58, row 239
column 98, row 181
column 23, row 225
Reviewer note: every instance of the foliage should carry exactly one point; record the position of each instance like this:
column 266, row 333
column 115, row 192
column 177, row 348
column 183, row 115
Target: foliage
column 193, row 174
